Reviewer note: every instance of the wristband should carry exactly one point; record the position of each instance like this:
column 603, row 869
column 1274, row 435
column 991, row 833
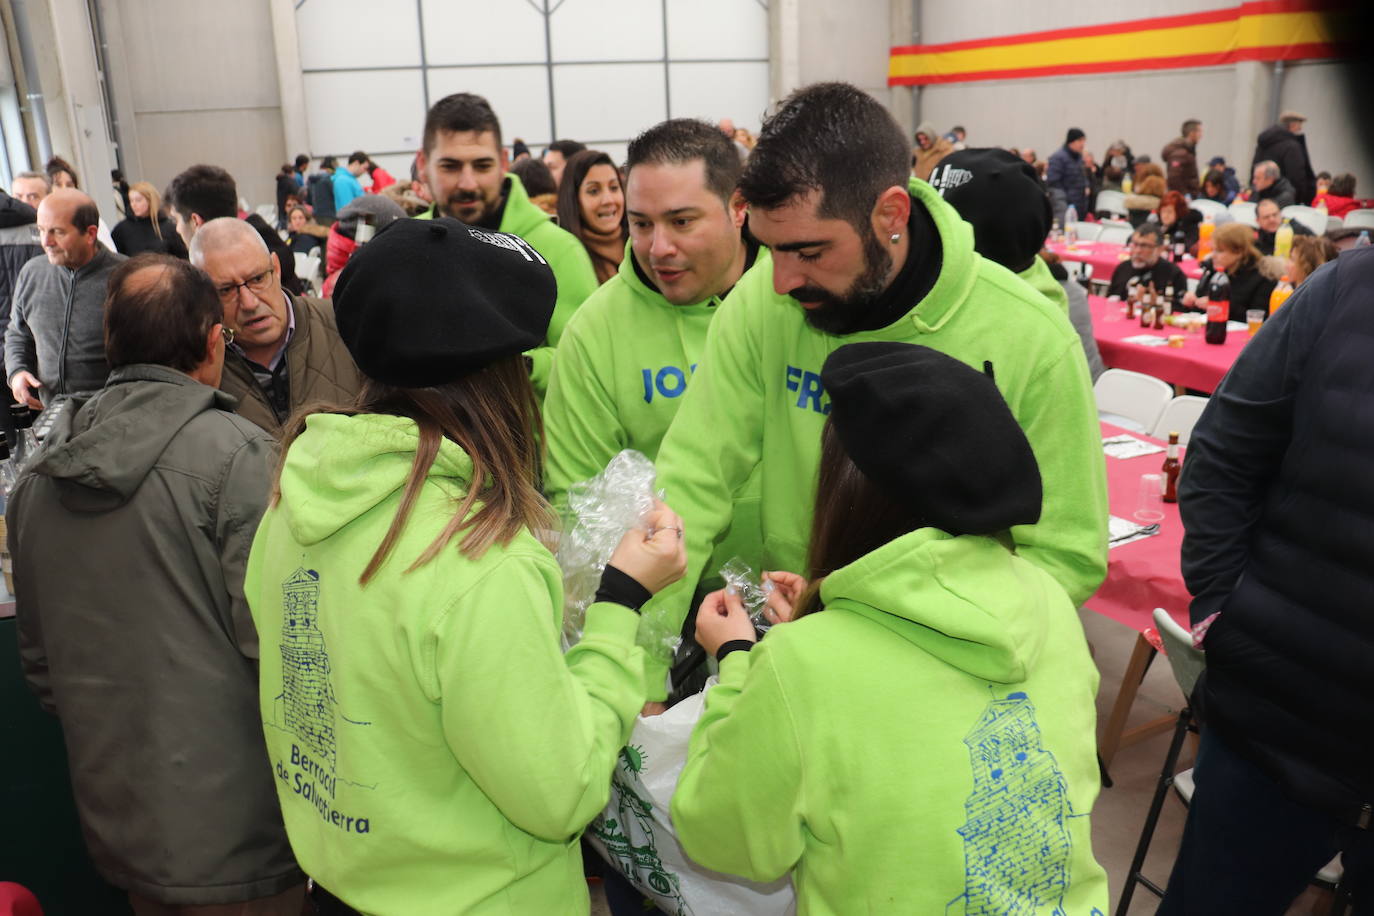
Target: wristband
column 620, row 588
column 734, row 645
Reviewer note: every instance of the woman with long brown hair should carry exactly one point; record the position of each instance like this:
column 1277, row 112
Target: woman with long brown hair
column 435, row 750
column 1234, row 254
column 591, row 205
column 923, row 738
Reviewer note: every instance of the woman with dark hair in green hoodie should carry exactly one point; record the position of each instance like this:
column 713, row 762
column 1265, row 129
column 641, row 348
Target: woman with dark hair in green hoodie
column 921, row 740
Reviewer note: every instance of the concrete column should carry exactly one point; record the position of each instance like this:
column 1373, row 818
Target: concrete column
column 903, row 100
column 784, row 48
column 82, row 104
column 290, row 80
column 1250, row 113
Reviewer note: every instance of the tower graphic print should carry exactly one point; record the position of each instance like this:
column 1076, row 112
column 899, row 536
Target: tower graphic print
column 1016, row 833
column 306, row 705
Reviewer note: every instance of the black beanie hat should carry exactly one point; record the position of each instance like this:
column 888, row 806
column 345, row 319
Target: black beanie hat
column 935, row 434
column 429, row 301
column 1074, row 134
column 1002, row 198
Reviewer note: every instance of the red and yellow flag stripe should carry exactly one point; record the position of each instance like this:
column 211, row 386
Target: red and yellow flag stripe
column 1265, row 30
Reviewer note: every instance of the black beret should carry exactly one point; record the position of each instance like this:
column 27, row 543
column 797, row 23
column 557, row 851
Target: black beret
column 1001, row 196
column 428, row 301
column 935, row 434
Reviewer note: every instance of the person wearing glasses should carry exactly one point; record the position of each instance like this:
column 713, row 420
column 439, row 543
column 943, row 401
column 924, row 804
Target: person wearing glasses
column 286, row 350
column 1145, row 266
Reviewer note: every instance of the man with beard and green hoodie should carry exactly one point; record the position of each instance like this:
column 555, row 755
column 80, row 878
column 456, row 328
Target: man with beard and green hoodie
column 921, row 740
column 860, row 253
column 465, row 167
column 630, row 351
column 130, row 532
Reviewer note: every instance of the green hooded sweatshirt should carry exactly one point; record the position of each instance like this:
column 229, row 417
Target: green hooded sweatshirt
column 925, row 744
column 572, row 267
column 435, row 751
column 756, row 404
column 623, row 364
column 1043, row 282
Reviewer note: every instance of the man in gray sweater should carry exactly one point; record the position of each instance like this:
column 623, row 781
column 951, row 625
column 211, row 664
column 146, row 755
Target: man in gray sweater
column 55, row 343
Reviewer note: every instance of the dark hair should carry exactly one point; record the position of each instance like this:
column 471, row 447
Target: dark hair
column 58, row 164
column 1216, row 177
column 1153, row 230
column 1189, row 126
column 568, row 148
column 205, row 189
column 165, row 322
column 459, row 113
column 570, row 207
column 287, row 170
column 959, row 128
column 833, row 138
column 684, row 140
column 1323, row 174
column 88, row 214
column 853, row 517
column 493, row 415
column 359, row 156
column 328, row 162
column 535, row 176
column 302, row 160
column 1343, row 185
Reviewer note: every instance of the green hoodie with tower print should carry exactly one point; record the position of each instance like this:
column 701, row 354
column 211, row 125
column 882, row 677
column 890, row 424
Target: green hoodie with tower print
column 434, row 749
column 572, row 267
column 924, row 744
column 622, row 365
column 756, row 405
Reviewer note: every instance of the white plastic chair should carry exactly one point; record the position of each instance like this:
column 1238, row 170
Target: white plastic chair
column 1359, row 219
column 1111, row 202
column 1208, row 208
column 1132, row 400
column 1179, row 416
column 1086, row 232
column 269, row 213
column 1242, row 211
column 1310, row 217
column 1115, row 235
column 308, row 268
column 1333, row 223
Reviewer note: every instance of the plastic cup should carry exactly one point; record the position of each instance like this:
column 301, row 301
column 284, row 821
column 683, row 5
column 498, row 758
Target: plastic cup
column 1253, row 319
column 1150, row 509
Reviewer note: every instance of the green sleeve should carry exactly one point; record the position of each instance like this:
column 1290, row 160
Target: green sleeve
column 738, row 804
column 709, row 451
column 572, row 268
column 581, row 424
column 536, row 730
column 1059, row 416
column 541, row 367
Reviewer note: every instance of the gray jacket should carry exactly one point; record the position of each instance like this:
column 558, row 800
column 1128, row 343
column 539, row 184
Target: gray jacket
column 57, row 325
column 129, row 534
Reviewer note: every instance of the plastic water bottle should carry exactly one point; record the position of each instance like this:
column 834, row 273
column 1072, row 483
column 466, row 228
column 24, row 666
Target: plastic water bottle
column 1363, row 240
column 1070, row 215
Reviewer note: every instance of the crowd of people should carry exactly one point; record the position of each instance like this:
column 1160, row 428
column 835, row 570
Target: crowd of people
column 327, row 640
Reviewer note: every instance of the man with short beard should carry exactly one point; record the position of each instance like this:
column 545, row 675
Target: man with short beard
column 465, row 166
column 861, row 252
column 1146, row 267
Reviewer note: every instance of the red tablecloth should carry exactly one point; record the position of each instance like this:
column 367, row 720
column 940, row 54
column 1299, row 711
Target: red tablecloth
column 1104, row 257
column 1197, row 364
column 1144, row 574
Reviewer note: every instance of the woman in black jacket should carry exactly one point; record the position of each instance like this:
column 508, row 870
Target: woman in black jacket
column 146, row 228
column 1176, row 216
column 1237, row 257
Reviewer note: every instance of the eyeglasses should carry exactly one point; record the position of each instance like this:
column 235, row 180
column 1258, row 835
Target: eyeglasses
column 227, row 333
column 1143, row 246
column 259, row 283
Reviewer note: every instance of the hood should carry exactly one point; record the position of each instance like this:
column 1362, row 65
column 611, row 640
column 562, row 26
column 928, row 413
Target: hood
column 14, row 212
column 967, row 601
column 342, row 467
column 927, row 128
column 100, row 453
column 520, row 216
column 1276, row 135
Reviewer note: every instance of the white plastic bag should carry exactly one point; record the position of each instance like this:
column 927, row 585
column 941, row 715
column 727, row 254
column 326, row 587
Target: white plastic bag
column 635, row 833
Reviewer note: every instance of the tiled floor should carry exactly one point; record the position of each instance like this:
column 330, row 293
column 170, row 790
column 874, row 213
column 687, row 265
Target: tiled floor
column 1120, row 810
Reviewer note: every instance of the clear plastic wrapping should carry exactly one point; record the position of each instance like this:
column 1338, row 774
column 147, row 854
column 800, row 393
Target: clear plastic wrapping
column 753, row 592
column 600, row 511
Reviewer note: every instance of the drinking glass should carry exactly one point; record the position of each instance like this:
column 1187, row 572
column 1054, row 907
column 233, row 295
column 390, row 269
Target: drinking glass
column 1253, row 319
column 1150, row 509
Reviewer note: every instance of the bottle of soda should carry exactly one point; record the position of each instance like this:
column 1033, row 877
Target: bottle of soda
column 1283, row 240
column 1218, row 308
column 1204, row 238
column 1180, row 246
column 1168, row 300
column 1147, row 308
column 1171, row 469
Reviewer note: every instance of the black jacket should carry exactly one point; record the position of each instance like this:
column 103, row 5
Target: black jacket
column 321, row 188
column 1264, row 241
column 1289, row 151
column 1163, row 274
column 1280, row 192
column 1278, row 509
column 135, row 235
column 1250, row 289
column 18, row 246
column 1188, row 221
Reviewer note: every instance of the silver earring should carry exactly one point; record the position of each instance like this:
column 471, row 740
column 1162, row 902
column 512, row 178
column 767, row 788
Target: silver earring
column 895, row 238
